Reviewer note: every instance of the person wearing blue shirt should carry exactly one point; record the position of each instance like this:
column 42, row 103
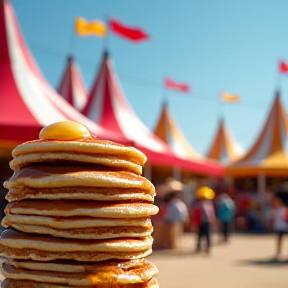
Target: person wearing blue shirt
column 225, row 209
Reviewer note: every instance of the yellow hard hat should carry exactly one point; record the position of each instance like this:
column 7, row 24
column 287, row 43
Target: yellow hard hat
column 205, row 193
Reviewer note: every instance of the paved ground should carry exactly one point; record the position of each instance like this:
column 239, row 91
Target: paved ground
column 245, row 262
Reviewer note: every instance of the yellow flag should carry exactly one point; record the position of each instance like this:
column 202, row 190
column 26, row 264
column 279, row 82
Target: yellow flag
column 229, row 97
column 84, row 28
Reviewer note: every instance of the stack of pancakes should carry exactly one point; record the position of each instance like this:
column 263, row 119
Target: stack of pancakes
column 78, row 215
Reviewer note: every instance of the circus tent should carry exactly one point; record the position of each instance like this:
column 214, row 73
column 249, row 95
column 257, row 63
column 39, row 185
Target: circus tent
column 268, row 155
column 108, row 106
column 27, row 102
column 224, row 148
column 167, row 130
column 71, row 86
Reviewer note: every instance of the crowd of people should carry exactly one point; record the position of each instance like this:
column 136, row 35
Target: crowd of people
column 203, row 208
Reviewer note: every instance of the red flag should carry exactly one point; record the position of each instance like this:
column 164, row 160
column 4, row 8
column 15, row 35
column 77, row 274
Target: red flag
column 283, row 67
column 171, row 84
column 131, row 33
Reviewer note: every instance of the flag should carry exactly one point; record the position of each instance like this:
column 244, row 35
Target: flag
column 229, row 97
column 171, row 84
column 85, row 28
column 283, row 67
column 133, row 34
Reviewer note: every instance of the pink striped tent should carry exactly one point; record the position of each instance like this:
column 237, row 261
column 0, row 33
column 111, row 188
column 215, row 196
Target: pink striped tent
column 27, row 101
column 108, row 106
column 71, row 86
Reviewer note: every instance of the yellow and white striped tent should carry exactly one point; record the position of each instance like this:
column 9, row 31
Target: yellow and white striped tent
column 224, row 147
column 168, row 131
column 269, row 155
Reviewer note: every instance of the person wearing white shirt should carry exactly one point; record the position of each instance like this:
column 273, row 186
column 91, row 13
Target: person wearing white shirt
column 279, row 223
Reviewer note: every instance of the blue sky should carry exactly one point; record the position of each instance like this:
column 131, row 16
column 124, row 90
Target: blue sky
column 214, row 45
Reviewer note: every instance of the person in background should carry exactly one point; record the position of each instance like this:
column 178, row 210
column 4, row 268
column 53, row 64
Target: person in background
column 189, row 189
column 157, row 220
column 279, row 223
column 176, row 213
column 266, row 208
column 282, row 193
column 203, row 216
column 225, row 209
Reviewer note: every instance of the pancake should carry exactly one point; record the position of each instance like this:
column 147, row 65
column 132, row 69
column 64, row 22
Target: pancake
column 70, row 176
column 56, row 157
column 70, row 266
column 40, row 247
column 119, row 273
column 38, row 255
column 84, row 193
column 18, row 240
column 11, row 283
column 68, row 208
column 88, row 146
column 75, row 222
column 84, row 233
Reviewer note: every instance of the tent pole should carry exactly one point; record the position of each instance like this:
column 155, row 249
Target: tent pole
column 261, row 183
column 148, row 171
column 221, row 108
column 177, row 173
column 71, row 47
column 105, row 38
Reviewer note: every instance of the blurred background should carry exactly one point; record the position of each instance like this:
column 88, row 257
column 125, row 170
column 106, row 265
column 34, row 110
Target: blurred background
column 199, row 86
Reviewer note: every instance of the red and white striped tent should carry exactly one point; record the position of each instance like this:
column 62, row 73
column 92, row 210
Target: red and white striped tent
column 27, row 102
column 71, row 86
column 224, row 148
column 268, row 156
column 108, row 106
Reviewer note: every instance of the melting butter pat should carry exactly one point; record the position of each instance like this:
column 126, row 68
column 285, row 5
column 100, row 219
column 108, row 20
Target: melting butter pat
column 64, row 130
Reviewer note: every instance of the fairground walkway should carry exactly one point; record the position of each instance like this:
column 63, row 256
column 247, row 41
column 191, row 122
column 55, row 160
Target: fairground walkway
column 245, row 262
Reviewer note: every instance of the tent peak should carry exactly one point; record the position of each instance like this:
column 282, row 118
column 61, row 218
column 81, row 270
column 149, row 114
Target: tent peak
column 221, row 120
column 277, row 93
column 164, row 103
column 70, row 58
column 105, row 54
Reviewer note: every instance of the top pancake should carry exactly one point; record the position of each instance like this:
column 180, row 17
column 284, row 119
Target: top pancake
column 87, row 150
